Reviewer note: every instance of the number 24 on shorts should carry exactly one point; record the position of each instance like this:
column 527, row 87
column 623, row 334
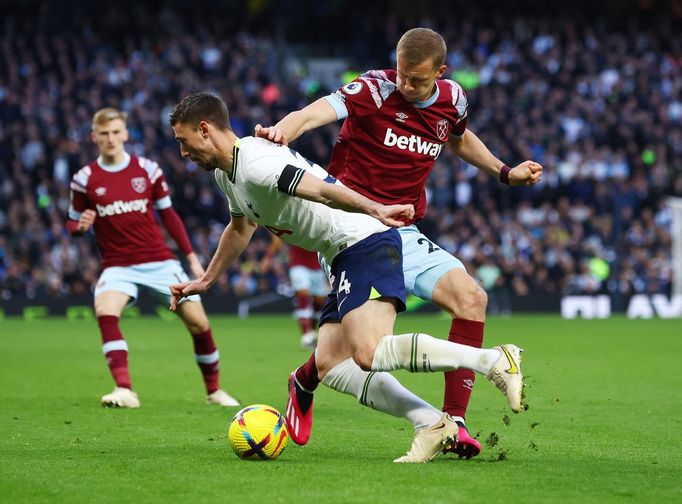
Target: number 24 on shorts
column 344, row 284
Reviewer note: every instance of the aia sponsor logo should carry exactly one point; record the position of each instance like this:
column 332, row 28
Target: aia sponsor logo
column 139, row 184
column 442, row 129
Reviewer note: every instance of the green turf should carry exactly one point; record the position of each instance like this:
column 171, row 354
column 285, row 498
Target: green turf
column 603, row 424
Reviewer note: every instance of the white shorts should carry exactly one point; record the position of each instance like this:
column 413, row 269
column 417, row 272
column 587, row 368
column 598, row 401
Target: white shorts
column 312, row 280
column 424, row 262
column 156, row 276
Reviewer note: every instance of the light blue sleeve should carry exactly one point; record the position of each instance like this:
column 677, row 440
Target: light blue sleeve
column 338, row 106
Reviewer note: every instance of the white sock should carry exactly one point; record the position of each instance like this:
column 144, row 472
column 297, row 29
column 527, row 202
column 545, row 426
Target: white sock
column 421, row 353
column 382, row 392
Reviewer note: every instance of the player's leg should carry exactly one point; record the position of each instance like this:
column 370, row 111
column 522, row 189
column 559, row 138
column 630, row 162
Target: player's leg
column 112, row 293
column 417, row 352
column 158, row 276
column 433, row 274
column 331, row 363
column 460, row 295
column 303, row 304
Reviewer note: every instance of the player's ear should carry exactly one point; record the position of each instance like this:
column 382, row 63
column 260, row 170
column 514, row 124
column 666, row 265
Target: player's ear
column 441, row 71
column 126, row 135
column 203, row 129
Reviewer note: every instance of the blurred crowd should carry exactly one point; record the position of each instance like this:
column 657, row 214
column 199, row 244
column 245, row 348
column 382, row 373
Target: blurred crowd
column 598, row 105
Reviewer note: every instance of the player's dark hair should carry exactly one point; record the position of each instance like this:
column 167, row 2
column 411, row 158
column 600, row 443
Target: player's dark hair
column 418, row 44
column 198, row 107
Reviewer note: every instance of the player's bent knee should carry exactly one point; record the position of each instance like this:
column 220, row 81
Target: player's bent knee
column 364, row 357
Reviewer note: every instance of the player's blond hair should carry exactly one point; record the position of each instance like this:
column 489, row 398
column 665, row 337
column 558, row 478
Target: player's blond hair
column 419, row 44
column 103, row 116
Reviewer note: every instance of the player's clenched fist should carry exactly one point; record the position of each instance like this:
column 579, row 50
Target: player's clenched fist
column 86, row 220
column 527, row 173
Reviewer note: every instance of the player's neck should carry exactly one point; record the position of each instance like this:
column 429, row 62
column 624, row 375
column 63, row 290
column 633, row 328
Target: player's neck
column 113, row 160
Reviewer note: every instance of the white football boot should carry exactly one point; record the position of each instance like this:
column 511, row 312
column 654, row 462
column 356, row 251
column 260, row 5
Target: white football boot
column 506, row 374
column 430, row 441
column 121, row 398
column 309, row 340
column 222, row 398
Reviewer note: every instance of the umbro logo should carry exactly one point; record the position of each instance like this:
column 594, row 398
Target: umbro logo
column 101, row 191
column 400, row 117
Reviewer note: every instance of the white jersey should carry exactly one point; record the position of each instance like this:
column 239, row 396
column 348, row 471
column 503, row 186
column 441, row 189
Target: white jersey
column 265, row 175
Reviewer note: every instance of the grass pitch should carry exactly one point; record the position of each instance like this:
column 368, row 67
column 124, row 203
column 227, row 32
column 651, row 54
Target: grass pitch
column 603, row 423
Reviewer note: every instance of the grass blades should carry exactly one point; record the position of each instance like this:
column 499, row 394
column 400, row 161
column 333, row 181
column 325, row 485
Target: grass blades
column 603, row 421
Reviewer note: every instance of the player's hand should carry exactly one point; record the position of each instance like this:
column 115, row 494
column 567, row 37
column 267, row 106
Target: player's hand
column 527, row 173
column 271, row 133
column 394, row 215
column 195, row 266
column 181, row 290
column 86, row 220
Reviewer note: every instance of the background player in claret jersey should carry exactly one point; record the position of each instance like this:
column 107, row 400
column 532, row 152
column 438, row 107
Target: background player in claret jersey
column 309, row 284
column 396, row 124
column 116, row 195
column 276, row 187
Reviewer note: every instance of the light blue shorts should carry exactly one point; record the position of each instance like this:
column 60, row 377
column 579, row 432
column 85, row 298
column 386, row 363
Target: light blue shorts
column 424, row 262
column 312, row 280
column 156, row 276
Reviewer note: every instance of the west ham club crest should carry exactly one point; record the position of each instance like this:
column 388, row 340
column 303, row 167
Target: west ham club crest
column 442, row 129
column 139, row 184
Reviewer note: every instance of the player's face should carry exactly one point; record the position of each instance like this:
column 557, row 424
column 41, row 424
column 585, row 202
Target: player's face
column 195, row 145
column 416, row 82
column 110, row 138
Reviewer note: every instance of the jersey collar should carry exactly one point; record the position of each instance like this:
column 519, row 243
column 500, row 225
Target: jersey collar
column 114, row 167
column 235, row 156
column 430, row 101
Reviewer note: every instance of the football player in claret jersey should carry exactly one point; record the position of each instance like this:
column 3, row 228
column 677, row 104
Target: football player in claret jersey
column 309, row 284
column 397, row 123
column 274, row 186
column 116, row 196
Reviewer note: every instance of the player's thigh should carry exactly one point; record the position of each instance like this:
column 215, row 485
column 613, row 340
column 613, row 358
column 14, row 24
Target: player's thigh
column 332, row 348
column 460, row 295
column 425, row 263
column 193, row 316
column 364, row 327
column 111, row 302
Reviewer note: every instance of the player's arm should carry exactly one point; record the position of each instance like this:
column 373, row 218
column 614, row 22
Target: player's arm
column 233, row 242
column 274, row 247
column 176, row 229
column 294, row 124
column 472, row 150
column 298, row 182
column 81, row 218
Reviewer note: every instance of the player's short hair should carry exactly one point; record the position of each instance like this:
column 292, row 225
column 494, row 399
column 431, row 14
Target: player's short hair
column 198, row 107
column 103, row 116
column 418, row 44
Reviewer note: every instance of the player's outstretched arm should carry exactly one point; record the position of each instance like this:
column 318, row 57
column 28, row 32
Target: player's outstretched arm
column 338, row 196
column 296, row 123
column 233, row 242
column 472, row 150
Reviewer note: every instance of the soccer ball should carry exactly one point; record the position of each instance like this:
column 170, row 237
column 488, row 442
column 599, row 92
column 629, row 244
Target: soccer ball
column 258, row 432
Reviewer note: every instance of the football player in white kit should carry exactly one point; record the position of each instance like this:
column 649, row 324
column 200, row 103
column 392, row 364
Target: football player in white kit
column 300, row 202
